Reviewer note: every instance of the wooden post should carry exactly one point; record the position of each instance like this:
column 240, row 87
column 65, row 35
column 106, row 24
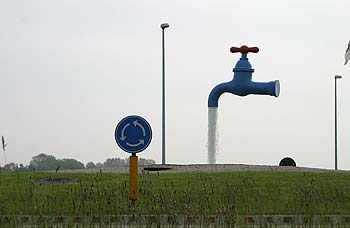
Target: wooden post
column 133, row 190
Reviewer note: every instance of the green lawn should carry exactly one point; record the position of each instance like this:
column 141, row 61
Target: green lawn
column 227, row 193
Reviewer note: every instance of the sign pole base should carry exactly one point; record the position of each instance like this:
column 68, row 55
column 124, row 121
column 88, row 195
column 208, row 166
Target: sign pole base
column 133, row 190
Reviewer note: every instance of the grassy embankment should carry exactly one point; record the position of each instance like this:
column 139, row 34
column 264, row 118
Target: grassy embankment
column 228, row 194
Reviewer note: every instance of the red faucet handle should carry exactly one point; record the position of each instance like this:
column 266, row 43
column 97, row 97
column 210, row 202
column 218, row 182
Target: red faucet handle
column 244, row 49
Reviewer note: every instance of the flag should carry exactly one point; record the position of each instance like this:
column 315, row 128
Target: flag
column 3, row 143
column 347, row 54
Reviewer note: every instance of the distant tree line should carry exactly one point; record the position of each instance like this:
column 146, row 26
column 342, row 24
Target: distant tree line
column 44, row 162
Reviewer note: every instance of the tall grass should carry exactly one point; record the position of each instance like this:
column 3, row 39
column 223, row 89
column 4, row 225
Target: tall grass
column 196, row 195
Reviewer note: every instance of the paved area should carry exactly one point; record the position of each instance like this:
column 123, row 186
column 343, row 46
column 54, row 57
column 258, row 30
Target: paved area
column 174, row 168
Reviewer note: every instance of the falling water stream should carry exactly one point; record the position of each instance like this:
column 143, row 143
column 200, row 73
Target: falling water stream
column 212, row 134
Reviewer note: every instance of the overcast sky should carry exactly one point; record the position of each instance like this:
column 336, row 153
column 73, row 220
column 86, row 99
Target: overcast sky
column 70, row 70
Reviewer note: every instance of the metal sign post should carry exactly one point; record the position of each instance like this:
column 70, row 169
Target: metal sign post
column 133, row 134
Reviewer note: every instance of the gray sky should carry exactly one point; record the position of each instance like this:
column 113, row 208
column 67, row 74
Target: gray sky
column 70, row 70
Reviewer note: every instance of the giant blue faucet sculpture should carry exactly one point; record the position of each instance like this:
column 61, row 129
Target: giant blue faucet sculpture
column 242, row 84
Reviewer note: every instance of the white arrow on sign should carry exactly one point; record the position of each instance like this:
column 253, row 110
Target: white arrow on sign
column 140, row 125
column 123, row 131
column 141, row 141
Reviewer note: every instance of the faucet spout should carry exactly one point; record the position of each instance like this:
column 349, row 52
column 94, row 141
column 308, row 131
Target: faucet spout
column 227, row 87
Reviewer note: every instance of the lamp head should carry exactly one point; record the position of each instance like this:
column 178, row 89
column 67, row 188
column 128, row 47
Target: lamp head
column 338, row 77
column 164, row 26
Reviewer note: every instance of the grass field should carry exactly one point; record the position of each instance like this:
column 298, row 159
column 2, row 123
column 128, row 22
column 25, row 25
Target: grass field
column 227, row 193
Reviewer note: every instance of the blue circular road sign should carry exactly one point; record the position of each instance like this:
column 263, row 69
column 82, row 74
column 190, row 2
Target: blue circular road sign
column 133, row 134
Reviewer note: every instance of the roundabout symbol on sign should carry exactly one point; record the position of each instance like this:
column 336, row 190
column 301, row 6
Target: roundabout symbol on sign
column 133, row 134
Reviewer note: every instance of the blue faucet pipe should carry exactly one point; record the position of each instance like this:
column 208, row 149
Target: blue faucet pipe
column 242, row 84
column 259, row 88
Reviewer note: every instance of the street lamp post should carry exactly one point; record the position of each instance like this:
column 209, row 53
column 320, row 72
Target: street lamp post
column 163, row 27
column 335, row 123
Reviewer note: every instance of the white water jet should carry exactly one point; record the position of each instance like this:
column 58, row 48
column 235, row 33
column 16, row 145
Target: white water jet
column 212, row 134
